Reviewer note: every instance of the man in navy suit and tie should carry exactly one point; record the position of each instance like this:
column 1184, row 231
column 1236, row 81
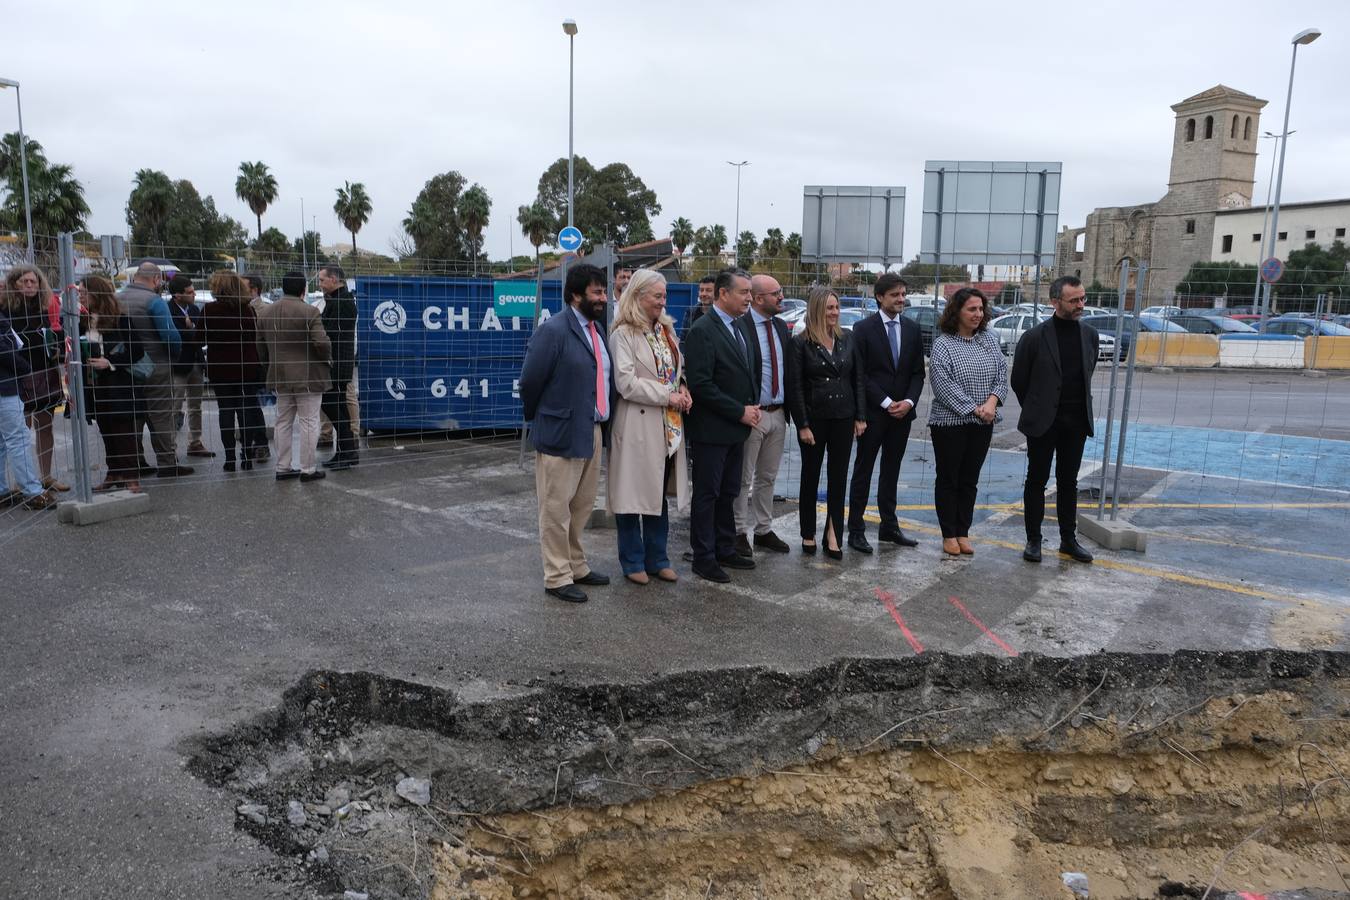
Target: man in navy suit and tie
column 567, row 389
column 889, row 351
column 723, row 375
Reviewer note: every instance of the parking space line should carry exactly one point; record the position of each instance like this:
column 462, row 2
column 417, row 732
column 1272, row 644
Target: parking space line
column 972, row 619
column 888, row 599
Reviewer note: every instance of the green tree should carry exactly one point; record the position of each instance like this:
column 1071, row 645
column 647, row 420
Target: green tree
column 772, row 247
column 433, row 222
column 257, row 187
column 536, row 223
column 1311, row 271
column 709, row 240
column 746, row 245
column 915, row 271
column 475, row 208
column 148, row 208
column 271, row 250
column 308, row 249
column 1211, row 279
column 681, row 234
column 612, row 203
column 352, row 209
column 55, row 197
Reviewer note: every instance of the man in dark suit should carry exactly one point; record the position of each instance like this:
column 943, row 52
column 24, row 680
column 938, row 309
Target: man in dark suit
column 339, row 321
column 705, row 299
column 1052, row 377
column 889, row 351
column 768, row 337
column 720, row 368
column 567, row 389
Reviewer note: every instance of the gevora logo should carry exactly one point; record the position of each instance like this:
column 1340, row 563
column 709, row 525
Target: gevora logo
column 390, row 317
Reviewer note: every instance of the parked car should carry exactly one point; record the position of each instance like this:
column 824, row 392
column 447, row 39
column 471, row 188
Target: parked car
column 1164, row 311
column 1106, row 326
column 1010, row 328
column 848, row 317
column 926, row 318
column 1300, row 327
column 1198, row 324
column 791, row 303
column 793, row 316
column 1342, row 320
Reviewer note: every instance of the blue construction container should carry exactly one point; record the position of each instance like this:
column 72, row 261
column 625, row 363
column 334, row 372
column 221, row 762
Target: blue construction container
column 434, row 355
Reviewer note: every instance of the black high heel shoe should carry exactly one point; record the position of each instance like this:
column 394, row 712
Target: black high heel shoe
column 808, row 549
column 834, row 554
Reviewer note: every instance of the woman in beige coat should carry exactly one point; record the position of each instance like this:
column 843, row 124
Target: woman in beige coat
column 646, row 444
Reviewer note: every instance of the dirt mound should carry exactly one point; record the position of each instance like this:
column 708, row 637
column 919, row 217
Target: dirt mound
column 935, row 777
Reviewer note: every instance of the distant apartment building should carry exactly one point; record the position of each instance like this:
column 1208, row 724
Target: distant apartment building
column 1238, row 232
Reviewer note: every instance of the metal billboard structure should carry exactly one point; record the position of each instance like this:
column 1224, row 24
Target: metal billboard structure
column 990, row 213
column 853, row 224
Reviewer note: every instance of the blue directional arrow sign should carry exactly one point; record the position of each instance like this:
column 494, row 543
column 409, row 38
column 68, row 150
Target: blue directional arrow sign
column 569, row 238
column 1271, row 270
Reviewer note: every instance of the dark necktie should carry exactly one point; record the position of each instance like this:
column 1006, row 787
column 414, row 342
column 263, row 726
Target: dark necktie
column 773, row 360
column 894, row 337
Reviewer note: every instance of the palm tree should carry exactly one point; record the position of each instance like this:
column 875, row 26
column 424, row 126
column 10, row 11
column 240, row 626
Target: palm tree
column 257, row 187
column 58, row 205
column 772, row 248
column 536, row 223
column 717, row 239
column 746, row 245
column 352, row 208
column 475, row 206
column 681, row 234
column 150, row 202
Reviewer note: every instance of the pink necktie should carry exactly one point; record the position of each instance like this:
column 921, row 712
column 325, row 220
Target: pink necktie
column 601, row 395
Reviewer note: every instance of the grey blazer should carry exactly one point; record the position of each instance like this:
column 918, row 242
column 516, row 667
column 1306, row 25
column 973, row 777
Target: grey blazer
column 557, row 388
column 1036, row 374
column 295, row 348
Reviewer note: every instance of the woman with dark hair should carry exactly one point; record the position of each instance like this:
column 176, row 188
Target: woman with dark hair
column 232, row 367
column 111, row 352
column 969, row 376
column 27, row 297
column 826, row 391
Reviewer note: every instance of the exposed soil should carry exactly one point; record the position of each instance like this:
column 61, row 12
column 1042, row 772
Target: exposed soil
column 932, row 777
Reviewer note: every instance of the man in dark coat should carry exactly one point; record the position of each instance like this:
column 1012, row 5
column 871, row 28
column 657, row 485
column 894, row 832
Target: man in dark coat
column 567, row 390
column 339, row 321
column 889, row 350
column 720, row 366
column 1052, row 377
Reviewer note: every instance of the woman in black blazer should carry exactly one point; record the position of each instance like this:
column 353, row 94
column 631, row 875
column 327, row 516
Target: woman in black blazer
column 826, row 392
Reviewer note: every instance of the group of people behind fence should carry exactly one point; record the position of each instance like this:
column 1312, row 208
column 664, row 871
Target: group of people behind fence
column 147, row 361
column 702, row 422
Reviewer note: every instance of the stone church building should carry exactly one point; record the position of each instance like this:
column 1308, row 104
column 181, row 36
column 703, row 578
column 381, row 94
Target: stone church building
column 1213, row 169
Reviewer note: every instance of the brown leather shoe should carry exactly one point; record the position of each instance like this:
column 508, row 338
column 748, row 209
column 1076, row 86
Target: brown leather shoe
column 951, row 547
column 637, row 577
column 666, row 574
column 45, row 500
column 52, row 484
column 966, row 547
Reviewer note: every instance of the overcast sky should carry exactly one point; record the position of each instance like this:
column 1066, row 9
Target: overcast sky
column 844, row 92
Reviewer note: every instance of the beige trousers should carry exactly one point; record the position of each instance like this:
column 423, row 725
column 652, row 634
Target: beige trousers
column 353, row 410
column 759, row 470
column 297, row 413
column 566, row 489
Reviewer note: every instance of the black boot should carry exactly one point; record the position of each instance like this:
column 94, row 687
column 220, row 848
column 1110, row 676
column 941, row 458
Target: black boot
column 229, row 459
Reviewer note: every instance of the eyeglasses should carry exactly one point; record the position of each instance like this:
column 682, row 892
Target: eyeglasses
column 777, row 293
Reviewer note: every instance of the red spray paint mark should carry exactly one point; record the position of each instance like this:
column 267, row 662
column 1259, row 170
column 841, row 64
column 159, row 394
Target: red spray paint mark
column 888, row 599
column 972, row 619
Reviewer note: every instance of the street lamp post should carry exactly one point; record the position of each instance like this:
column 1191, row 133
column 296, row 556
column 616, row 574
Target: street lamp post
column 739, row 165
column 1306, row 36
column 23, row 164
column 570, row 29
column 1265, row 220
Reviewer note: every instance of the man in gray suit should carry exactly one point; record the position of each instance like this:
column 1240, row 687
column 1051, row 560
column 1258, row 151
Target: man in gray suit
column 298, row 355
column 158, row 337
column 567, row 389
column 1052, row 377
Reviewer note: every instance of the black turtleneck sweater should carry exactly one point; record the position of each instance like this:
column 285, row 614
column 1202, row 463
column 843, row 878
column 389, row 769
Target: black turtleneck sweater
column 1072, row 389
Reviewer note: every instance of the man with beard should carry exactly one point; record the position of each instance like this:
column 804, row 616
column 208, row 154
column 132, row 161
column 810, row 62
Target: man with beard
column 705, row 299
column 567, row 389
column 1052, row 377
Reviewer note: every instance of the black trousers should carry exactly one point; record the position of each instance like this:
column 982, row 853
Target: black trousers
column 887, row 436
column 712, row 516
column 335, row 408
column 230, row 400
column 959, row 452
column 834, row 437
column 1064, row 443
column 255, row 426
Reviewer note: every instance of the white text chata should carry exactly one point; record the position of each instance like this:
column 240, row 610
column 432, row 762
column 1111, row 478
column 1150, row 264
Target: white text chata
column 434, row 318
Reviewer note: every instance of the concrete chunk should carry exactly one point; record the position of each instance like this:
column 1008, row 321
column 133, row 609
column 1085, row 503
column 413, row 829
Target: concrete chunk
column 103, row 508
column 1117, row 535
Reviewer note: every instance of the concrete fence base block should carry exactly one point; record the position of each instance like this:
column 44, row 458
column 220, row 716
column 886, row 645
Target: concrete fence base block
column 601, row 518
column 104, row 508
column 1117, row 535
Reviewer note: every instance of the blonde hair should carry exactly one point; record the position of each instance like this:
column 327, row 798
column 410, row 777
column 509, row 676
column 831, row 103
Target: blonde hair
column 816, row 330
column 629, row 312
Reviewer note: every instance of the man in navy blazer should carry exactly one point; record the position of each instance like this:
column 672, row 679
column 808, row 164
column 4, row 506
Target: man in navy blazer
column 567, row 389
column 889, row 352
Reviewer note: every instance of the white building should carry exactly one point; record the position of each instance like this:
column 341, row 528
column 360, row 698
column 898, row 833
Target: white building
column 1237, row 232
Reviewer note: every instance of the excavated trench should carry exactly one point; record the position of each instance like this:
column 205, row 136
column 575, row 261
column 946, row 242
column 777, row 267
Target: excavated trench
column 929, row 777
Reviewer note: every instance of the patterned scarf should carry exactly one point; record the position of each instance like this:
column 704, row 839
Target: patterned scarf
column 663, row 350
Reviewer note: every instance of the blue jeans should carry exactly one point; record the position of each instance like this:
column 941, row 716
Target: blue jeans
column 16, row 447
column 642, row 541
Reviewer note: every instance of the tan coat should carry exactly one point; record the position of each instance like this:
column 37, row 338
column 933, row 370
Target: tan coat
column 295, row 348
column 637, row 442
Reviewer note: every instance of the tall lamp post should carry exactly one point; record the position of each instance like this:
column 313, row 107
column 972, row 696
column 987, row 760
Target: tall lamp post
column 1307, row 36
column 23, row 163
column 739, row 165
column 570, row 29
